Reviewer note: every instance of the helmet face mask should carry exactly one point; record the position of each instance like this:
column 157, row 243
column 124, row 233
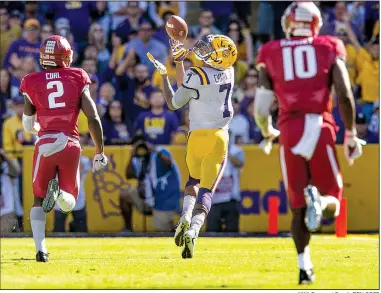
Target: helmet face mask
column 217, row 51
column 301, row 19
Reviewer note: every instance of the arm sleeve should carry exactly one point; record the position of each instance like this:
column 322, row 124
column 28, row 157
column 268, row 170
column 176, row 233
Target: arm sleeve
column 183, row 96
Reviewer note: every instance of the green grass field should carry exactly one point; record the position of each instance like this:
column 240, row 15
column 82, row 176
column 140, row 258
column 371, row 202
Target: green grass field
column 219, row 263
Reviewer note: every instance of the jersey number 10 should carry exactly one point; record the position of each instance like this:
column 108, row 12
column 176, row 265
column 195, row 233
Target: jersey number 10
column 299, row 61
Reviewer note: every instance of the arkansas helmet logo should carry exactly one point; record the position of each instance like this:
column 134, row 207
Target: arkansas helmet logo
column 49, row 48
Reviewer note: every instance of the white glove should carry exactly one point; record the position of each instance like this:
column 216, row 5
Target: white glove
column 179, row 52
column 266, row 144
column 159, row 66
column 352, row 146
column 99, row 162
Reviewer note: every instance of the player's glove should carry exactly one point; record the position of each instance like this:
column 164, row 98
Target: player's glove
column 99, row 162
column 352, row 146
column 179, row 52
column 266, row 144
column 159, row 66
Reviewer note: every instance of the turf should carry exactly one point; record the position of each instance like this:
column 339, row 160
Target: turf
column 350, row 263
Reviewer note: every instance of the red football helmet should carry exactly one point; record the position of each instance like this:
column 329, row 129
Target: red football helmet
column 56, row 51
column 301, row 19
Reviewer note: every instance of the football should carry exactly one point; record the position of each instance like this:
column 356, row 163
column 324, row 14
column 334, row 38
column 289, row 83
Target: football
column 176, row 28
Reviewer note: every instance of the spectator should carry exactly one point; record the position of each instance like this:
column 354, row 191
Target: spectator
column 362, row 130
column 221, row 11
column 15, row 18
column 143, row 44
column 372, row 19
column 337, row 24
column 5, row 97
column 9, row 168
column 158, row 191
column 14, row 140
column 101, row 15
column 32, row 10
column 106, row 95
column 374, row 125
column 254, row 131
column 265, row 21
column 205, row 26
column 79, row 223
column 181, row 135
column 132, row 22
column 60, row 24
column 242, row 39
column 27, row 65
column 90, row 66
column 158, row 9
column 8, row 33
column 114, row 128
column 239, row 126
column 90, row 52
column 77, row 12
column 30, row 45
column 118, row 11
column 157, row 124
column 46, row 32
column 249, row 86
column 98, row 38
column 134, row 91
column 161, row 33
column 224, row 214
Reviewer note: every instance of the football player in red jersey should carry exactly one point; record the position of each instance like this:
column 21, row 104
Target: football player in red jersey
column 53, row 99
column 300, row 71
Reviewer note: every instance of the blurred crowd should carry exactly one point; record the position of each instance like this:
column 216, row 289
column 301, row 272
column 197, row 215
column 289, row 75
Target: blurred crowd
column 110, row 41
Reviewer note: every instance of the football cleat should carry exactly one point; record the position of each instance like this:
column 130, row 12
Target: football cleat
column 189, row 244
column 42, row 257
column 314, row 212
column 306, row 277
column 183, row 227
column 51, row 196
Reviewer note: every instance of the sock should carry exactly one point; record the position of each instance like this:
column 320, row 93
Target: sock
column 330, row 200
column 37, row 221
column 65, row 201
column 304, row 259
column 197, row 222
column 188, row 205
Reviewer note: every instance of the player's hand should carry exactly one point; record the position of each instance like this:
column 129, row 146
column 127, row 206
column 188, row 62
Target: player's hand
column 99, row 162
column 179, row 52
column 352, row 146
column 159, row 66
column 266, row 144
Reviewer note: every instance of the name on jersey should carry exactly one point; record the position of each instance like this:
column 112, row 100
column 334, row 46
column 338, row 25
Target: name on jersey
column 52, row 75
column 222, row 77
column 284, row 43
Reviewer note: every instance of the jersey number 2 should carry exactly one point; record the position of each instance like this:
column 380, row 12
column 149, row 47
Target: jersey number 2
column 301, row 59
column 228, row 87
column 57, row 94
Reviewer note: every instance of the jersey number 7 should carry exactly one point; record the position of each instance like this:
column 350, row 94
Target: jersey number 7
column 228, row 87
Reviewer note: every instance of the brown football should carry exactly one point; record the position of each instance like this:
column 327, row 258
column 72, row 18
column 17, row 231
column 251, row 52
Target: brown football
column 176, row 28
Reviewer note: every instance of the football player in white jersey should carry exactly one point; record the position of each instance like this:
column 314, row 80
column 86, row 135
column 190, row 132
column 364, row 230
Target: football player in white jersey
column 208, row 90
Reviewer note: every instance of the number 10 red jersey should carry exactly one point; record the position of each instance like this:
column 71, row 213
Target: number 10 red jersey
column 300, row 72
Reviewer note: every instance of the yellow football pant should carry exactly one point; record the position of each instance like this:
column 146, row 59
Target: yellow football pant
column 206, row 156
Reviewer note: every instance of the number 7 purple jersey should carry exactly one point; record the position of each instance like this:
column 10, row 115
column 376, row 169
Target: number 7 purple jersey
column 300, row 72
column 56, row 95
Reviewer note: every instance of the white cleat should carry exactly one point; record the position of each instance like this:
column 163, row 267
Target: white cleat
column 314, row 211
column 183, row 227
column 189, row 244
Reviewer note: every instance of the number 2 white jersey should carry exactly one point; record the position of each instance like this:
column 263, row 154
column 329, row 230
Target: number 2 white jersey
column 211, row 107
